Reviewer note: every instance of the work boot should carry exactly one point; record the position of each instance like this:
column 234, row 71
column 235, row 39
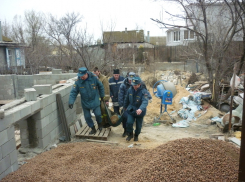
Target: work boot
column 130, row 136
column 100, row 126
column 107, row 125
column 136, row 138
column 93, row 131
column 124, row 133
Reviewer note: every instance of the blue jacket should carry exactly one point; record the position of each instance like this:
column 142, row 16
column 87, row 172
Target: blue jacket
column 114, row 87
column 123, row 91
column 88, row 90
column 136, row 100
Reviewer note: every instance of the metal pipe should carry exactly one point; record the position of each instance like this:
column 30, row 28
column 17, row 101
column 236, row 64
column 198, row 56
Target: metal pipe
column 241, row 172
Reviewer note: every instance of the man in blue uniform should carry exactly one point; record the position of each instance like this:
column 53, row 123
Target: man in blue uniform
column 114, row 83
column 121, row 97
column 88, row 85
column 135, row 104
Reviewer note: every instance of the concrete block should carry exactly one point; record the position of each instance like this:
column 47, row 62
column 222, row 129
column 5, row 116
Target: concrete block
column 43, row 101
column 54, row 106
column 56, row 71
column 24, row 134
column 25, row 109
column 44, row 142
column 11, row 169
column 11, row 132
column 6, row 121
column 30, row 94
column 43, row 89
column 1, row 113
column 40, row 124
column 35, row 106
column 25, row 143
column 55, row 133
column 13, row 157
column 8, row 147
column 3, row 137
column 51, row 98
column 71, row 71
column 1, row 154
column 40, row 82
column 2, row 176
column 23, row 124
column 4, row 164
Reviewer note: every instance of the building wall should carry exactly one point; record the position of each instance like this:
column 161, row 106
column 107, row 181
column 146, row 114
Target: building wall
column 2, row 57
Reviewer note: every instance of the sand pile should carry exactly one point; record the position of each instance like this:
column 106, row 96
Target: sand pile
column 179, row 160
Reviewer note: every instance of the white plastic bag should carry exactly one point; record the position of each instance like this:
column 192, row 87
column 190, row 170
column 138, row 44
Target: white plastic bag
column 237, row 81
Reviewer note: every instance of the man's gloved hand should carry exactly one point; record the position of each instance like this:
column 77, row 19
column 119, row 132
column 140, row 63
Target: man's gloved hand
column 70, row 106
column 150, row 101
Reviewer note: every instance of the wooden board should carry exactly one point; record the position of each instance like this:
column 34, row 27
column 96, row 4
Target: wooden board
column 99, row 135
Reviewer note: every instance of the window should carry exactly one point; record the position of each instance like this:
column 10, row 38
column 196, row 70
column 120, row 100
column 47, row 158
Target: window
column 177, row 36
column 188, row 34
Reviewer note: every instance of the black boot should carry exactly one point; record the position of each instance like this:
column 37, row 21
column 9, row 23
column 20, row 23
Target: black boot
column 93, row 131
column 130, row 136
column 100, row 126
column 124, row 133
column 136, row 138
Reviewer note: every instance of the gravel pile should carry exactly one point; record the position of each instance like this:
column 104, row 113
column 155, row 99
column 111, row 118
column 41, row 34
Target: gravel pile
column 179, row 160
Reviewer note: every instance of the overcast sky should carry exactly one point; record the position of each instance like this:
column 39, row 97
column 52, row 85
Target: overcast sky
column 124, row 13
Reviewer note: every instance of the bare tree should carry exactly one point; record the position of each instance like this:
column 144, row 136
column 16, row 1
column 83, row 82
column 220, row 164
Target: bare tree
column 215, row 24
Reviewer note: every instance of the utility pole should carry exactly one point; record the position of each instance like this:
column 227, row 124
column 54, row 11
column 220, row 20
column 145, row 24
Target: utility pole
column 241, row 173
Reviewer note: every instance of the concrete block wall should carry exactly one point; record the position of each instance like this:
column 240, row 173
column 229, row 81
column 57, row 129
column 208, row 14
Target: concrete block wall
column 8, row 152
column 47, row 122
column 23, row 81
column 6, row 88
column 52, row 78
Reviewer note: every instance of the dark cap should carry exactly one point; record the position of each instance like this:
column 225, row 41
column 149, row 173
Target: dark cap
column 116, row 71
column 82, row 71
column 136, row 81
column 131, row 75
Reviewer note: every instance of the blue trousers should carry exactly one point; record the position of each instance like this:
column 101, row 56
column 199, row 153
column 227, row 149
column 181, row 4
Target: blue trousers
column 124, row 119
column 130, row 123
column 87, row 116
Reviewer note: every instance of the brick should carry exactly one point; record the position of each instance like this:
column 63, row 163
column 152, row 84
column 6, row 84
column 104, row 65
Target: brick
column 43, row 89
column 11, row 169
column 4, row 164
column 8, row 147
column 13, row 157
column 11, row 132
column 4, row 137
column 30, row 94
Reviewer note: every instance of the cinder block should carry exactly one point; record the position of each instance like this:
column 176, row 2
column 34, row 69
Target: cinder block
column 40, row 82
column 71, row 71
column 40, row 124
column 43, row 101
column 56, row 71
column 1, row 154
column 1, row 113
column 13, row 157
column 3, row 137
column 10, row 132
column 43, row 89
column 35, row 106
column 11, row 169
column 25, row 143
column 25, row 109
column 2, row 176
column 30, row 94
column 55, row 133
column 8, row 147
column 54, row 106
column 4, row 164
column 44, row 142
column 51, row 98
column 24, row 134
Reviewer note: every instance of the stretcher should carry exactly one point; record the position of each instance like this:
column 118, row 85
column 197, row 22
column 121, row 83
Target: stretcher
column 110, row 114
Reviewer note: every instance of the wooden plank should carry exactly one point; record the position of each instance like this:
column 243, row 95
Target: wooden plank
column 106, row 134
column 80, row 130
column 101, row 141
